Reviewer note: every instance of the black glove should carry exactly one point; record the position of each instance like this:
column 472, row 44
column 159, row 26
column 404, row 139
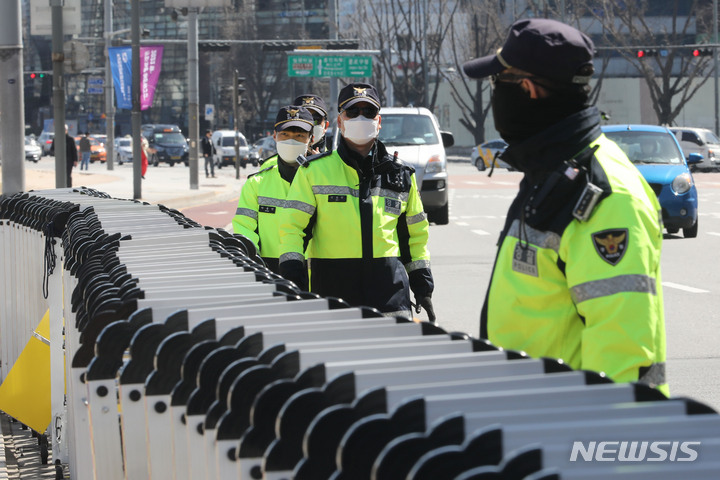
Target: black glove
column 296, row 272
column 426, row 303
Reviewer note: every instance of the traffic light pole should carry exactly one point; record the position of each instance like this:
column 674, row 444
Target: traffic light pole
column 237, row 92
column 12, row 127
column 193, row 108
column 58, row 57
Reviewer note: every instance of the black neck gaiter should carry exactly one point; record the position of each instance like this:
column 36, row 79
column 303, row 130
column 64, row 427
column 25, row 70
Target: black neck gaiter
column 519, row 117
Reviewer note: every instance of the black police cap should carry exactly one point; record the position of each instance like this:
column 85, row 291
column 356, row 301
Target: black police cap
column 294, row 116
column 355, row 93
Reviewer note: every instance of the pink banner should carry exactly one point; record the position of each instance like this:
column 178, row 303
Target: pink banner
column 150, row 63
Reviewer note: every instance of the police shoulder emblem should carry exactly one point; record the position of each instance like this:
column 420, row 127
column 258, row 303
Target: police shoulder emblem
column 611, row 245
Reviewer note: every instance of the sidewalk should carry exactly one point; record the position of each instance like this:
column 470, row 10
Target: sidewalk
column 165, row 185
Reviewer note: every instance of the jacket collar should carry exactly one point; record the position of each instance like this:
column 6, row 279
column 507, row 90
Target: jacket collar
column 547, row 150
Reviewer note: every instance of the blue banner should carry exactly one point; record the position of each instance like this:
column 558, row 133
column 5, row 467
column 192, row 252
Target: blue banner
column 121, row 66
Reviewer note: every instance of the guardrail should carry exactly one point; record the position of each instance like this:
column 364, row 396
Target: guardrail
column 175, row 354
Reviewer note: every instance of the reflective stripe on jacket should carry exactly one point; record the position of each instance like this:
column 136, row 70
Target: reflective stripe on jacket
column 589, row 292
column 258, row 213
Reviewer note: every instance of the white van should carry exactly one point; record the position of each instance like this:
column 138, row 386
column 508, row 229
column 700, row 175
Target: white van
column 224, row 142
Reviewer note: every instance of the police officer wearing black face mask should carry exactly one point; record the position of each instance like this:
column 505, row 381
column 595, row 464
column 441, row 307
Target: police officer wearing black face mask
column 577, row 273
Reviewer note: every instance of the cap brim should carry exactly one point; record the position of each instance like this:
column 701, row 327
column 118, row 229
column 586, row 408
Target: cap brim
column 307, row 126
column 317, row 109
column 355, row 100
column 483, row 67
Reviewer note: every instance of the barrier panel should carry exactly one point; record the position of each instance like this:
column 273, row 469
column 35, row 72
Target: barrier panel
column 175, row 354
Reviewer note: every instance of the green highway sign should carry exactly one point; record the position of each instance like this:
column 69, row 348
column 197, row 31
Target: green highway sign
column 329, row 66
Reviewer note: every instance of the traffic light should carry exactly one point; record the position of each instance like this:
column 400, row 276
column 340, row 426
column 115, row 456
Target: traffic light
column 646, row 52
column 239, row 88
column 214, row 46
column 701, row 52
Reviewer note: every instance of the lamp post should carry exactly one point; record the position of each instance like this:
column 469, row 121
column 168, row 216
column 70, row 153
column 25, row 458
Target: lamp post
column 109, row 104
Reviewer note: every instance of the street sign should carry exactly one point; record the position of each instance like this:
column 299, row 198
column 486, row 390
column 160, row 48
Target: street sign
column 41, row 17
column 329, row 66
column 209, row 112
column 95, row 90
column 95, row 81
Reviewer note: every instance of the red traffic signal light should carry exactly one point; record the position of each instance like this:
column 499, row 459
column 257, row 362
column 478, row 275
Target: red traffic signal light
column 650, row 52
column 32, row 75
column 701, row 52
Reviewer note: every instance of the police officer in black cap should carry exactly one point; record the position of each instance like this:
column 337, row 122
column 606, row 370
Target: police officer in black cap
column 317, row 107
column 361, row 206
column 577, row 273
column 262, row 198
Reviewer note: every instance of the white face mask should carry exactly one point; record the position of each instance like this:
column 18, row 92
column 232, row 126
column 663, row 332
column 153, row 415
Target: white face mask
column 289, row 150
column 360, row 130
column 318, row 133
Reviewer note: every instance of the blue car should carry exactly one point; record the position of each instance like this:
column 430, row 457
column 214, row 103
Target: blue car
column 656, row 153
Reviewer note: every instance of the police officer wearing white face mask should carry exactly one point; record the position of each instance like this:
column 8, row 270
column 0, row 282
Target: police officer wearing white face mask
column 317, row 107
column 263, row 195
column 362, row 209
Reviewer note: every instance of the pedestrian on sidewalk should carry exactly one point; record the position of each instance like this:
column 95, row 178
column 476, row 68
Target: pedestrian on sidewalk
column 85, row 151
column 208, row 150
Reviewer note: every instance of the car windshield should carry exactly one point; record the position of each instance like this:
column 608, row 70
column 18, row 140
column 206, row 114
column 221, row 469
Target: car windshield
column 647, row 147
column 407, row 130
column 170, row 138
column 124, row 143
column 709, row 137
column 230, row 141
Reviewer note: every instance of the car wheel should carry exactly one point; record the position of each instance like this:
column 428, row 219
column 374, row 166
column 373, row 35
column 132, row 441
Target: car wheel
column 479, row 164
column 672, row 230
column 154, row 160
column 440, row 216
column 187, row 163
column 691, row 232
column 172, row 164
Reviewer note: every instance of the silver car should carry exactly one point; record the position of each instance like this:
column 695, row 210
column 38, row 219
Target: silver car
column 33, row 152
column 702, row 141
column 123, row 150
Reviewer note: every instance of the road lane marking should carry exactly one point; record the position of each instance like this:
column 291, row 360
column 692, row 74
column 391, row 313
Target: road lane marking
column 714, row 233
column 480, row 232
column 462, row 224
column 684, row 288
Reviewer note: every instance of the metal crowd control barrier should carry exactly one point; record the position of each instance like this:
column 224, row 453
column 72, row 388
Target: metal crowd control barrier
column 185, row 358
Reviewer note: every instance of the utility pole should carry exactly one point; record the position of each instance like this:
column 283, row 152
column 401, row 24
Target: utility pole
column 193, row 97
column 58, row 80
column 12, row 127
column 715, row 65
column 135, row 115
column 109, row 104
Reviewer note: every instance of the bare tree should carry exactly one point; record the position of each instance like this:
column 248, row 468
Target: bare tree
column 477, row 32
column 411, row 35
column 673, row 75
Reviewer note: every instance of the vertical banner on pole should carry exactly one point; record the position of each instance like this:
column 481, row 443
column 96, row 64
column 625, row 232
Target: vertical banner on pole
column 121, row 66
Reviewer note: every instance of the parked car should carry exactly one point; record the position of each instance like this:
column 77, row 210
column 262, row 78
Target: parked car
column 123, row 150
column 657, row 154
column 702, row 141
column 265, row 148
column 45, row 140
column 97, row 150
column 166, row 143
column 224, row 142
column 33, row 151
column 415, row 134
column 484, row 154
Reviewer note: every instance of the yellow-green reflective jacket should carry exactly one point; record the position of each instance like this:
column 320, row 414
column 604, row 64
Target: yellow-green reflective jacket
column 587, row 292
column 368, row 231
column 258, row 213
